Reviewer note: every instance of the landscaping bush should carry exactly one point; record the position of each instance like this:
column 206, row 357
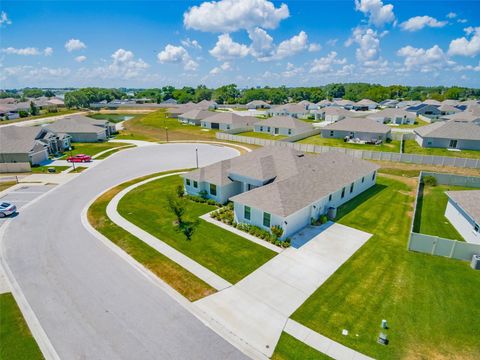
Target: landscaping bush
column 277, row 231
column 430, row 180
column 180, row 191
column 203, row 194
column 323, row 219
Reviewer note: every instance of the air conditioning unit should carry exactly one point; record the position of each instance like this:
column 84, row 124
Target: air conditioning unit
column 475, row 264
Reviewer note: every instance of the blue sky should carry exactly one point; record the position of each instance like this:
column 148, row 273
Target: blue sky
column 249, row 42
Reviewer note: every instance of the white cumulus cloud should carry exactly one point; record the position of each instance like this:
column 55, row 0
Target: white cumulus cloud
column 326, row 64
column 74, row 44
column 424, row 60
column 451, row 15
column 191, row 44
column 177, row 55
column 227, row 49
column 28, row 51
column 48, row 51
column 4, row 20
column 223, row 67
column 234, row 15
column 314, row 47
column 468, row 45
column 80, row 58
column 378, row 14
column 419, row 22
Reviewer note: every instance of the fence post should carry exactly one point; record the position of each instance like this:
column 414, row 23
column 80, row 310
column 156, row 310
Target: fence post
column 434, row 247
column 453, row 250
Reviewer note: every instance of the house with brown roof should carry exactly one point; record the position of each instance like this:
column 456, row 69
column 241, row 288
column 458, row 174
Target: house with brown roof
column 257, row 104
column 195, row 116
column 282, row 125
column 450, row 134
column 228, row 121
column 279, row 186
column 463, row 212
column 357, row 128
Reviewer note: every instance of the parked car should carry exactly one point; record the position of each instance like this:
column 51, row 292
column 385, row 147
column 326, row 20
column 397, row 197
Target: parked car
column 7, row 209
column 79, row 158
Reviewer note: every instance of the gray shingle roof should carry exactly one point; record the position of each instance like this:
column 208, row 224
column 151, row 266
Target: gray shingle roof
column 285, row 122
column 197, row 114
column 359, row 124
column 291, row 108
column 18, row 139
column 78, row 124
column 452, row 129
column 392, row 112
column 232, row 119
column 468, row 200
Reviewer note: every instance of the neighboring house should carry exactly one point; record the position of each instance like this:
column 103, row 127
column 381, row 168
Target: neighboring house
column 19, row 145
column 450, row 134
column 463, row 211
column 324, row 103
column 346, row 104
column 257, row 104
column 331, row 114
column 195, row 116
column 432, row 102
column 357, row 128
column 207, row 105
column 365, row 105
column 450, row 102
column 228, row 121
column 389, row 103
column 8, row 112
column 83, row 129
column 465, row 116
column 428, row 112
column 279, row 186
column 308, row 105
column 169, row 102
column 446, row 109
column 293, row 110
column 393, row 116
column 282, row 125
column 176, row 111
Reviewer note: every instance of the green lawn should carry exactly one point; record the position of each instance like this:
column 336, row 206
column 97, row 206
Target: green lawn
column 151, row 127
column 417, row 123
column 410, row 173
column 173, row 274
column 393, row 146
column 289, row 348
column 4, row 185
column 425, row 298
column 430, row 217
column 226, row 254
column 261, row 135
column 92, row 148
column 44, row 169
column 113, row 117
column 16, row 341
column 412, row 147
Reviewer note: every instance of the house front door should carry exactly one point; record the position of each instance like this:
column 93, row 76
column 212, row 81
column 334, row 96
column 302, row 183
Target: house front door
column 453, row 144
column 276, row 131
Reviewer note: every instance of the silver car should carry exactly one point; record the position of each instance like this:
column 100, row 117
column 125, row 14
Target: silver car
column 7, row 209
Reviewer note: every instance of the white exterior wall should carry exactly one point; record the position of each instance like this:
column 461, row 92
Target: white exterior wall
column 39, row 156
column 223, row 192
column 429, row 142
column 462, row 222
column 256, row 217
column 271, row 130
column 340, row 134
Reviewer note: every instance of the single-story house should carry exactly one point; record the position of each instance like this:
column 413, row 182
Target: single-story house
column 195, row 116
column 346, row 104
column 293, row 110
column 446, row 109
column 365, row 105
column 393, row 116
column 463, row 212
column 8, row 112
column 389, row 103
column 431, row 102
column 176, row 111
column 408, row 103
column 465, row 116
column 324, row 103
column 228, row 121
column 207, row 105
column 82, row 128
column 282, row 125
column 429, row 111
column 279, row 186
column 357, row 128
column 257, row 104
column 19, row 145
column 169, row 101
column 308, row 105
column 450, row 102
column 450, row 134
column 331, row 113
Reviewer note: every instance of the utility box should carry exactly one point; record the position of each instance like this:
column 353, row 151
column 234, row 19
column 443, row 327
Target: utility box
column 475, row 264
column 52, row 170
column 331, row 213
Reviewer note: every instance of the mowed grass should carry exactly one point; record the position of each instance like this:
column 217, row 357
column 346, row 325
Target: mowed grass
column 418, row 123
column 113, row 117
column 393, row 146
column 430, row 216
column 261, row 135
column 230, row 256
column 173, row 274
column 16, row 341
column 151, row 127
column 289, row 348
column 412, row 147
column 44, row 169
column 92, row 148
column 4, row 185
column 425, row 299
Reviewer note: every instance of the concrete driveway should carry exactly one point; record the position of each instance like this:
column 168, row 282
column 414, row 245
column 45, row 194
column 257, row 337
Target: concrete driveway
column 22, row 195
column 256, row 308
column 90, row 302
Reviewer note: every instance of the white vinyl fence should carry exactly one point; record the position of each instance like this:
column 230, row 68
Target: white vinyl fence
column 15, row 167
column 363, row 154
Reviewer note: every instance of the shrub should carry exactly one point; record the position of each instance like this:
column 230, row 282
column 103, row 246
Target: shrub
column 180, row 191
column 277, row 231
column 203, row 194
column 323, row 219
column 430, row 180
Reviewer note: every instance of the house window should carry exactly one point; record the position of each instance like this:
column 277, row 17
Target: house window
column 373, row 176
column 289, row 131
column 261, row 128
column 266, row 219
column 195, row 184
column 331, row 132
column 187, row 181
column 330, row 197
column 246, row 212
column 363, row 179
column 213, row 189
column 476, row 228
column 268, row 129
column 228, row 127
column 343, row 193
column 351, row 188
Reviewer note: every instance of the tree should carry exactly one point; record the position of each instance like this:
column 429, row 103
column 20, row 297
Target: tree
column 33, row 109
column 177, row 207
column 180, row 191
column 227, row 94
column 49, row 93
column 202, row 93
column 277, row 231
column 188, row 228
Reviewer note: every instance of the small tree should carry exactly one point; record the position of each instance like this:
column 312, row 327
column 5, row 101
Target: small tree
column 430, row 180
column 177, row 207
column 203, row 194
column 180, row 191
column 277, row 231
column 188, row 228
column 33, row 109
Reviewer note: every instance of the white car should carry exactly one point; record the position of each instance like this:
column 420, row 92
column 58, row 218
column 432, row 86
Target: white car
column 7, row 209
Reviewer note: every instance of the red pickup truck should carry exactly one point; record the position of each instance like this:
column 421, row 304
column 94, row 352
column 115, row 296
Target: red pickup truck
column 79, row 158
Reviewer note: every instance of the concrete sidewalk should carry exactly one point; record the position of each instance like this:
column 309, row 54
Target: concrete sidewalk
column 256, row 309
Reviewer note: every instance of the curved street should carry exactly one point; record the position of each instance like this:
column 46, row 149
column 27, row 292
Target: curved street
column 90, row 302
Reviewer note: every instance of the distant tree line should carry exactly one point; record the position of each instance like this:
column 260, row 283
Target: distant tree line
column 26, row 93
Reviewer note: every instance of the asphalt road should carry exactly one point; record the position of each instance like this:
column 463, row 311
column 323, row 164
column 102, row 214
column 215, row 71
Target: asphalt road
column 90, row 302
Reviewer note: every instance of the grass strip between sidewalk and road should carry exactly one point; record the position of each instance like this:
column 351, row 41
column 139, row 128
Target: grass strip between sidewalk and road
column 169, row 271
column 16, row 340
column 289, row 348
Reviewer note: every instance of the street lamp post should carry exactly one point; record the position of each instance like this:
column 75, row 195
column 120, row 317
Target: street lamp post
column 165, row 126
column 73, row 162
column 196, row 156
